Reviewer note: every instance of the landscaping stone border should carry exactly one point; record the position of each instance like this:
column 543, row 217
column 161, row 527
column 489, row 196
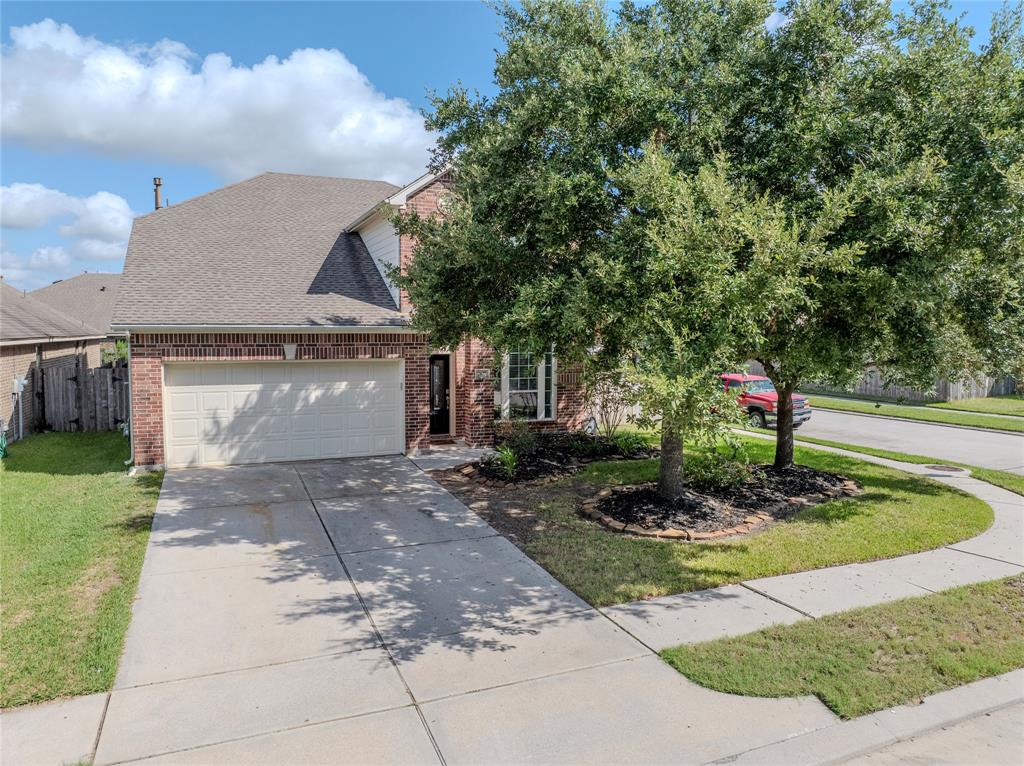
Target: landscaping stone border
column 755, row 520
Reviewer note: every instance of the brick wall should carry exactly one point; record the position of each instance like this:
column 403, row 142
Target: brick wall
column 474, row 394
column 150, row 350
column 20, row 360
column 424, row 202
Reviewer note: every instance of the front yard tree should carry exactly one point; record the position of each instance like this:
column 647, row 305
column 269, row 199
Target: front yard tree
column 681, row 185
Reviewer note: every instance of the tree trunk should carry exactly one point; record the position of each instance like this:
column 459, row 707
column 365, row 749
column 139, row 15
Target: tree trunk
column 784, row 428
column 670, row 475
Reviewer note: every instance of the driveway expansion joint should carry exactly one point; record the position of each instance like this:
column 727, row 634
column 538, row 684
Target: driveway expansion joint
column 373, row 624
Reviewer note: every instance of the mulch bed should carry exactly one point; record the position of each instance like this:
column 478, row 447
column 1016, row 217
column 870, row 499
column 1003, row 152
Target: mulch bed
column 554, row 456
column 767, row 495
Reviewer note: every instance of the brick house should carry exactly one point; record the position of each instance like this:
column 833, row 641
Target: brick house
column 263, row 327
column 35, row 336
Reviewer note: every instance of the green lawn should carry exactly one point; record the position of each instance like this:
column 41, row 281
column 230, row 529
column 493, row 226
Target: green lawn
column 897, row 514
column 1010, row 481
column 74, row 532
column 873, row 658
column 1010, row 404
column 915, row 412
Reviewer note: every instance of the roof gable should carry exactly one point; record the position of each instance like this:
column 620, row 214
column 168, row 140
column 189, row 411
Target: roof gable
column 87, row 297
column 269, row 251
column 23, row 318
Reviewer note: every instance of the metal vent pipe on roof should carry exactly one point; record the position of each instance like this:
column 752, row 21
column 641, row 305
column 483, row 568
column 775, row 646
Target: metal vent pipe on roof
column 157, row 183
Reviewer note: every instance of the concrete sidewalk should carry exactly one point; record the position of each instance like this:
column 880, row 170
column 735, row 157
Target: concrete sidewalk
column 736, row 609
column 355, row 612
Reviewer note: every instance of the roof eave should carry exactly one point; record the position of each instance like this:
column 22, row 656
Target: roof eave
column 47, row 339
column 137, row 327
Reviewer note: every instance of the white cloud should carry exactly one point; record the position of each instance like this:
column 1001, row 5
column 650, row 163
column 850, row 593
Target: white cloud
column 102, row 216
column 43, row 266
column 32, row 206
column 312, row 112
column 98, row 250
column 45, row 258
column 96, row 229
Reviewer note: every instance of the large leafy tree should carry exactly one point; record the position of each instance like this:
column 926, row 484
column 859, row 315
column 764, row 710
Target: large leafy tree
column 679, row 185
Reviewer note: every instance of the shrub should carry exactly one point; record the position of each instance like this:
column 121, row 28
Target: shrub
column 517, row 435
column 507, row 460
column 607, row 396
column 713, row 471
column 629, row 442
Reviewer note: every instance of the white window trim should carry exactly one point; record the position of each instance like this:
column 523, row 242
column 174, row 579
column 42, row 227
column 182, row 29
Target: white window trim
column 542, row 391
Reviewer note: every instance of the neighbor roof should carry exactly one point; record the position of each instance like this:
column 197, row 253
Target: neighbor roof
column 267, row 252
column 88, row 297
column 25, row 319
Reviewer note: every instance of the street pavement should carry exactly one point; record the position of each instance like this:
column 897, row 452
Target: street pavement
column 987, row 449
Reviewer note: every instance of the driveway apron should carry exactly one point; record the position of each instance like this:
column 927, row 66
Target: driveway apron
column 355, row 612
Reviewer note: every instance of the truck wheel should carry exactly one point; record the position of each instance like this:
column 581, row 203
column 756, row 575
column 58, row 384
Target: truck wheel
column 756, row 419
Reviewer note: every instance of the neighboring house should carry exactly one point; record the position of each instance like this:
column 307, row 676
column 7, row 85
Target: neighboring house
column 263, row 327
column 36, row 336
column 88, row 297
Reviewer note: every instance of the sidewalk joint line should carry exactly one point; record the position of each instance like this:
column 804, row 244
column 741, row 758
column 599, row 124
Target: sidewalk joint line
column 373, row 624
column 752, row 589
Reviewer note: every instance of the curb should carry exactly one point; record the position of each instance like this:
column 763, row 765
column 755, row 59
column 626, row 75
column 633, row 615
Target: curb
column 982, row 429
column 846, row 740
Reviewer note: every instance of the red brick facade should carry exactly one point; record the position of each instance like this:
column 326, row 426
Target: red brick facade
column 425, row 203
column 150, row 351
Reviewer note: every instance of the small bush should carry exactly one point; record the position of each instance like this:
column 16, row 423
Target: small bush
column 517, row 435
column 507, row 460
column 713, row 471
column 628, row 442
column 581, row 444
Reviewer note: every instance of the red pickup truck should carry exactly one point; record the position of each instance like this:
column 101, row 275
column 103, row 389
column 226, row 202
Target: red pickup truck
column 758, row 398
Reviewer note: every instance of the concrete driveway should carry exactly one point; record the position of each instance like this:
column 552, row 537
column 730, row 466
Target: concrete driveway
column 355, row 612
column 988, row 449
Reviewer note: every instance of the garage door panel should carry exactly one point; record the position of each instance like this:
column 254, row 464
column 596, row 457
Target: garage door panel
column 213, row 375
column 184, row 429
column 225, row 413
column 185, row 402
column 214, row 401
column 179, row 375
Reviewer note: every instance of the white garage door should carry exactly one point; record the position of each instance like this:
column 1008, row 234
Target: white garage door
column 219, row 414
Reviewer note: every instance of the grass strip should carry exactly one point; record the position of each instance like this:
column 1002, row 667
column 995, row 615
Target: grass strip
column 74, row 533
column 913, row 412
column 873, row 658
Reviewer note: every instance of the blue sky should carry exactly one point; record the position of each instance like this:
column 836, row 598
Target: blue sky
column 111, row 94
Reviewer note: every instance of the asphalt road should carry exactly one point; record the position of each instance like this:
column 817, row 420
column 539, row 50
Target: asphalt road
column 988, row 449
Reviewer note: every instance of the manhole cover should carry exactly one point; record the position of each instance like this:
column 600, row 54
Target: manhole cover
column 946, row 468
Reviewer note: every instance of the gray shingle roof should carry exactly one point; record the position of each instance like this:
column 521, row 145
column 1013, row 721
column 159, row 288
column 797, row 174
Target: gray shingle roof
column 22, row 317
column 88, row 297
column 268, row 251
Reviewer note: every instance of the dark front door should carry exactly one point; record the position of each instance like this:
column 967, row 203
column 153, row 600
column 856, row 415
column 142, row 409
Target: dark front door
column 440, row 414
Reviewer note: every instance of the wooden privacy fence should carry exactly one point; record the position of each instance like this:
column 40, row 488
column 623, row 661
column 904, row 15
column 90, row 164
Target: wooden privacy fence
column 77, row 398
column 871, row 384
